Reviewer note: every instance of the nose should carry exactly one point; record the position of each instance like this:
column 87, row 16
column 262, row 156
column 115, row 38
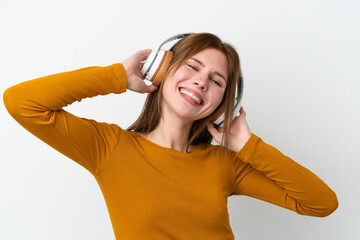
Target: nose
column 201, row 82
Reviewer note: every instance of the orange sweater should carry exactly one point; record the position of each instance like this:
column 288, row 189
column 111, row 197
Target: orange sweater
column 154, row 192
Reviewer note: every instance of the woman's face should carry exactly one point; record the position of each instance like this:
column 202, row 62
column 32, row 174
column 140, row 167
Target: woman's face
column 196, row 89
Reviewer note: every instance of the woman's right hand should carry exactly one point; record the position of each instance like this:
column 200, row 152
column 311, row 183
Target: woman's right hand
column 135, row 80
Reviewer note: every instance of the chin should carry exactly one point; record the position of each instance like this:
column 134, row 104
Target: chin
column 191, row 117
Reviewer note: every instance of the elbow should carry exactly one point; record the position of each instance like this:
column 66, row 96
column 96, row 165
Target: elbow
column 9, row 100
column 14, row 102
column 320, row 208
column 330, row 205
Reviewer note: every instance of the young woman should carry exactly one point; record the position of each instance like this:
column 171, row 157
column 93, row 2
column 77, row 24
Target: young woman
column 161, row 178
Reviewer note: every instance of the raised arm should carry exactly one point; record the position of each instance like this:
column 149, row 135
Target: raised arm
column 37, row 105
column 263, row 172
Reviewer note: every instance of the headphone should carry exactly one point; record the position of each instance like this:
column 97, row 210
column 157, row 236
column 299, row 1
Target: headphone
column 157, row 63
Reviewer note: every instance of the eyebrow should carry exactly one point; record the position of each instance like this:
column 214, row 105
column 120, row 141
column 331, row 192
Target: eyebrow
column 202, row 64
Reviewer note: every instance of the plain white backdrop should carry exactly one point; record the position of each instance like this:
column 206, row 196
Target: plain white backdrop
column 300, row 61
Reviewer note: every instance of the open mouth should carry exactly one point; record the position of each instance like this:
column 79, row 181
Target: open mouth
column 190, row 96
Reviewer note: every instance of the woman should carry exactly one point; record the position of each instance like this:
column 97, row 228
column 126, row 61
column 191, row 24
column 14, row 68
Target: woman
column 164, row 180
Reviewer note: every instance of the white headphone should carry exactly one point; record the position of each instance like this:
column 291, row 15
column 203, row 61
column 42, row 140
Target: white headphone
column 157, row 63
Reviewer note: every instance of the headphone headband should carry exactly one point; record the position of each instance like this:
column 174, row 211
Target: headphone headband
column 154, row 55
column 178, row 36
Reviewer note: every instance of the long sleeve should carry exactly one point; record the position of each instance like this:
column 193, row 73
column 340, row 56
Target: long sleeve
column 37, row 106
column 263, row 172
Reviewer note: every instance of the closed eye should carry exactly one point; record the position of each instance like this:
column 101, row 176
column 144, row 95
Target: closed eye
column 194, row 68
column 191, row 66
column 216, row 82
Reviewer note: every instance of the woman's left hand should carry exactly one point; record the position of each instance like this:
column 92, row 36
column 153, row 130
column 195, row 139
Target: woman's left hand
column 239, row 132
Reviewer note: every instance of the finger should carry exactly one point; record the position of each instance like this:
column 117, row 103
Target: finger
column 152, row 88
column 212, row 130
column 242, row 111
column 144, row 54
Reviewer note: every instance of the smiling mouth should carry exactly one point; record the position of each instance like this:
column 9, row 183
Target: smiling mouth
column 190, row 96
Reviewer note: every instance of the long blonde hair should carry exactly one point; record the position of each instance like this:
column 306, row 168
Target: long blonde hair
column 184, row 49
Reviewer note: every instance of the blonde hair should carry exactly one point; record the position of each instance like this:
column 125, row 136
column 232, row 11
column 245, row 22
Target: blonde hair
column 182, row 50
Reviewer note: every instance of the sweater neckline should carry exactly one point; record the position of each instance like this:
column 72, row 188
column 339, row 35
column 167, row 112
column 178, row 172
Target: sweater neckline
column 162, row 148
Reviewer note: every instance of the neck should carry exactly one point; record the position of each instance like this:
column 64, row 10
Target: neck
column 172, row 133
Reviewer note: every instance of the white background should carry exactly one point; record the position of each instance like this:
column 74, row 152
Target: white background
column 300, row 61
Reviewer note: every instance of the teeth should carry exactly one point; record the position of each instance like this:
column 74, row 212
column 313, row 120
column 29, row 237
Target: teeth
column 197, row 100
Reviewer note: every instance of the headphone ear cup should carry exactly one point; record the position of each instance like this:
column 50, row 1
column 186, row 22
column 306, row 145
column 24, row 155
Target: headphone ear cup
column 219, row 115
column 159, row 75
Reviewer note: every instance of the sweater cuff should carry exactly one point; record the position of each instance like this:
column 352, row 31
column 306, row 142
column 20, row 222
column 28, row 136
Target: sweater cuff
column 121, row 75
column 250, row 144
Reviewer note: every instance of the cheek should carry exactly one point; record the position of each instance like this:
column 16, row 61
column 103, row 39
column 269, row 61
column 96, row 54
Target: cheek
column 217, row 96
column 169, row 87
column 182, row 73
column 165, row 88
column 171, row 84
